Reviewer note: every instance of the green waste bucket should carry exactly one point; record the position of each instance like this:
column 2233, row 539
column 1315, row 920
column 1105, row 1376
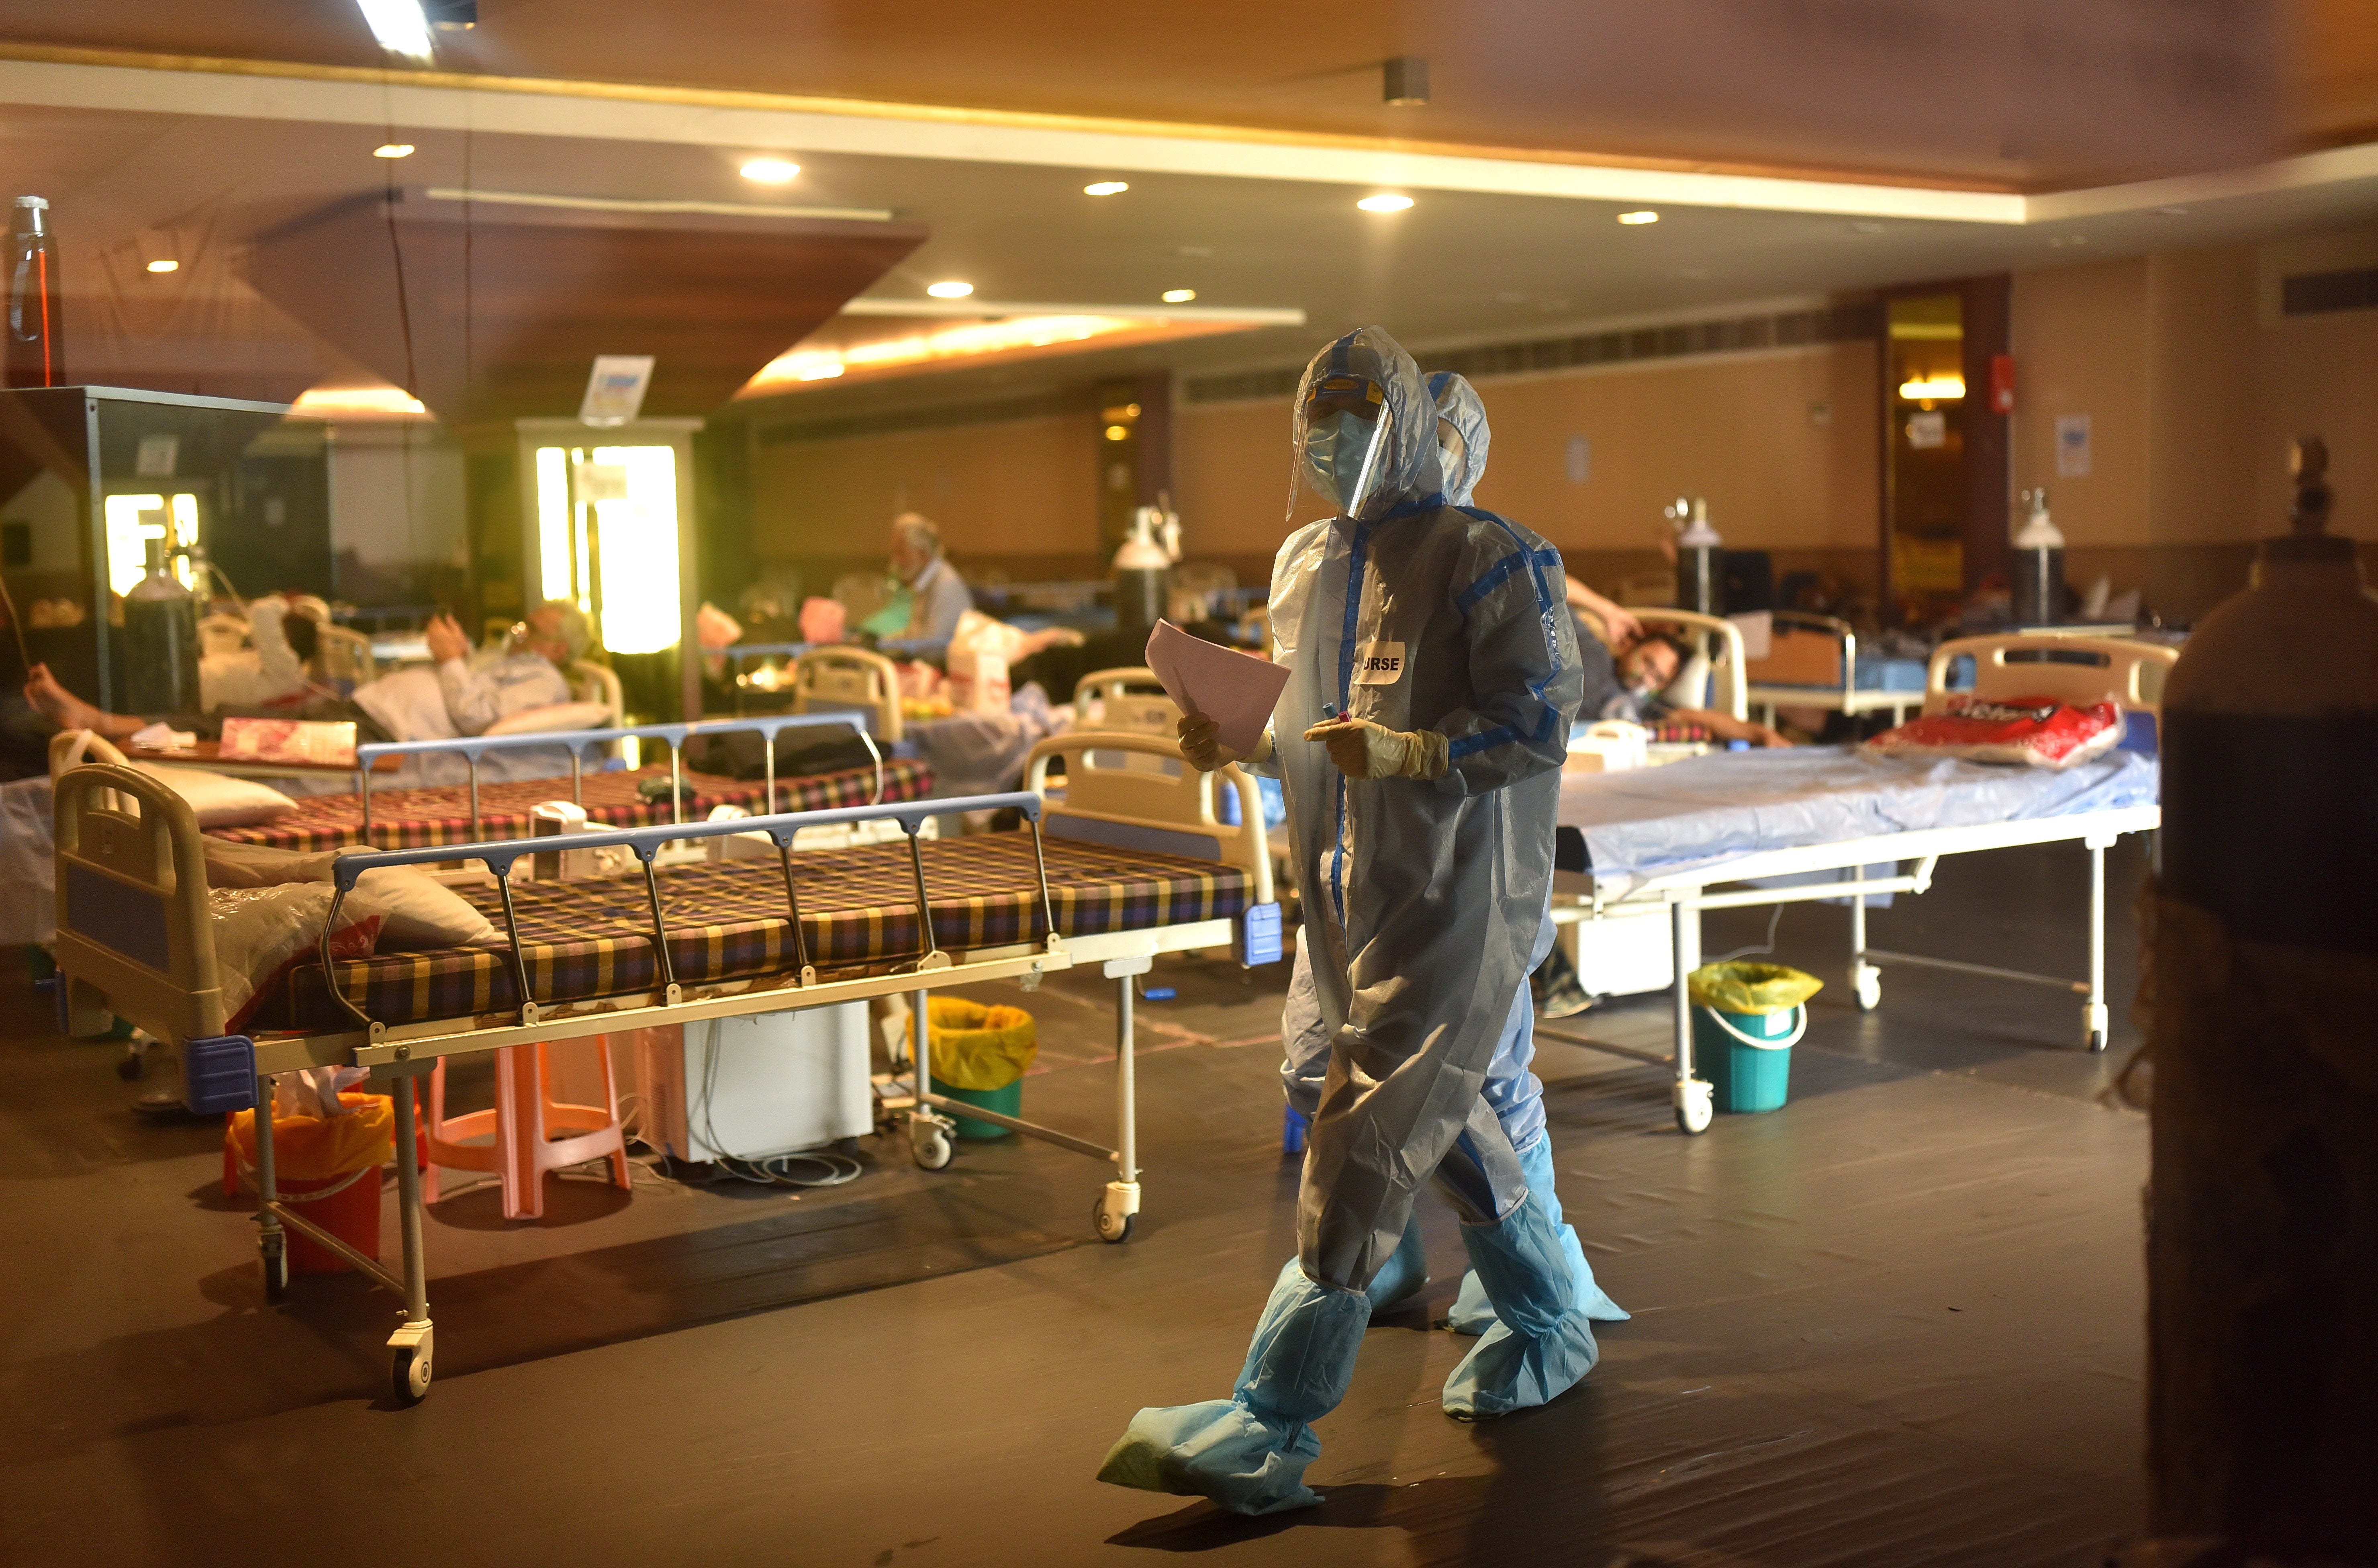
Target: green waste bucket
column 1008, row 1101
column 1746, row 1018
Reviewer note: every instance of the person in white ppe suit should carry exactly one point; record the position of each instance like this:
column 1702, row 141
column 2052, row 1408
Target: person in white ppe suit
column 1514, row 1091
column 1432, row 678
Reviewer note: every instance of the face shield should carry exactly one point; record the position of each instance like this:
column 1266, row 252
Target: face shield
column 1363, row 434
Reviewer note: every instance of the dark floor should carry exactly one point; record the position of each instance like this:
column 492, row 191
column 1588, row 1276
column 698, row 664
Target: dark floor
column 1897, row 1322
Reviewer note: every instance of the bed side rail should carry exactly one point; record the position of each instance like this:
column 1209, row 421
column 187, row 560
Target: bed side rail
column 134, row 931
column 2075, row 669
column 1165, row 806
column 646, row 843
column 473, row 747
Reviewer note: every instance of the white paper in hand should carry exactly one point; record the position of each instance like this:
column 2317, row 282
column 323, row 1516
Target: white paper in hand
column 1236, row 691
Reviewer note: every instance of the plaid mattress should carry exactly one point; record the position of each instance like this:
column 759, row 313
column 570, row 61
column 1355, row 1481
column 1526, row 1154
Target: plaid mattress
column 728, row 921
column 417, row 818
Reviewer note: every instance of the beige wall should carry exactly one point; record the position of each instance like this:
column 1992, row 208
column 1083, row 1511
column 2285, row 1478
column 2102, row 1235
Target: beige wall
column 2081, row 336
column 1020, row 487
column 1737, row 429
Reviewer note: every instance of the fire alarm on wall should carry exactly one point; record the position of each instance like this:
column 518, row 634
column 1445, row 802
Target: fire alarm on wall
column 2001, row 383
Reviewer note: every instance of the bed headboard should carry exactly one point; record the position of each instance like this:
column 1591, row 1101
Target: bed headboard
column 1130, row 802
column 2073, row 669
column 1129, row 700
column 826, row 679
column 133, row 934
column 1726, row 668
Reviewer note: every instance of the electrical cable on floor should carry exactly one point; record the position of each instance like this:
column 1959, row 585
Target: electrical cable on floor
column 1769, row 946
column 766, row 1170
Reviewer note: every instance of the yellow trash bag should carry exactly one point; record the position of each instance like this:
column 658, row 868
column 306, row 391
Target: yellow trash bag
column 980, row 1048
column 317, row 1148
column 1754, row 988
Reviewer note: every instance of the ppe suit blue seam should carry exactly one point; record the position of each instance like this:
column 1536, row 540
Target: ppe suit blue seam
column 1495, row 577
column 1469, row 744
column 1537, row 560
column 1356, row 556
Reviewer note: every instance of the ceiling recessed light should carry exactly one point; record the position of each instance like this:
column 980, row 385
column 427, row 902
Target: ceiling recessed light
column 398, row 26
column 1118, row 433
column 770, row 171
column 394, row 149
column 164, row 267
column 1634, row 219
column 1384, row 203
column 2171, row 211
column 951, row 290
column 1178, row 296
column 1106, row 188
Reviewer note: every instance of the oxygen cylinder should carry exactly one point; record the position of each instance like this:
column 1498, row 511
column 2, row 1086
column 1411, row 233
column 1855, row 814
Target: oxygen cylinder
column 1143, row 575
column 2038, row 566
column 1701, row 559
column 34, row 357
column 2261, row 991
column 160, row 641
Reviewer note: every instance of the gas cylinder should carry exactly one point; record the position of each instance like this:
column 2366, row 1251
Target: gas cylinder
column 1143, row 571
column 2261, row 1002
column 160, row 641
column 1700, row 558
column 2038, row 566
column 34, row 357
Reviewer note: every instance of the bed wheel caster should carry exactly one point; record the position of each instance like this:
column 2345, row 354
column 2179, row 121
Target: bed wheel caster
column 274, row 1252
column 410, row 1351
column 929, row 1140
column 131, row 1065
column 1696, row 1106
column 1116, row 1214
column 1866, row 980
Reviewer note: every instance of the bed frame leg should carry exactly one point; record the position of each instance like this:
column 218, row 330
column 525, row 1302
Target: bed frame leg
column 1866, row 980
column 413, row 1343
column 1118, row 1206
column 271, row 1241
column 930, row 1133
column 1693, row 1097
column 2094, row 1019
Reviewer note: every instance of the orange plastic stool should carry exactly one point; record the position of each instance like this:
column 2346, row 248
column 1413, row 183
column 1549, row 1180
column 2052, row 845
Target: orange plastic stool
column 522, row 1147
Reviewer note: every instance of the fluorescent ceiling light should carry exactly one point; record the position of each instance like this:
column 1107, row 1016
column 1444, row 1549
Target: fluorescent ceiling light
column 1944, row 389
column 645, row 204
column 1106, row 188
column 352, row 400
column 398, row 25
column 951, row 290
column 1633, row 220
column 1384, row 202
column 818, row 370
column 394, row 149
column 164, row 267
column 1178, row 296
column 770, row 171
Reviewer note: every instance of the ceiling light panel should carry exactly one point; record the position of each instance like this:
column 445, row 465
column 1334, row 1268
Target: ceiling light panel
column 1384, row 202
column 770, row 171
column 398, row 26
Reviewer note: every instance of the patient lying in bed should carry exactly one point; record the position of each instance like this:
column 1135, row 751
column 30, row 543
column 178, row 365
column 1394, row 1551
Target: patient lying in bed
column 1630, row 684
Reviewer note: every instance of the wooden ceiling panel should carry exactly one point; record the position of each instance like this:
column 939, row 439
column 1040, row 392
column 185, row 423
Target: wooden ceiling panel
column 502, row 311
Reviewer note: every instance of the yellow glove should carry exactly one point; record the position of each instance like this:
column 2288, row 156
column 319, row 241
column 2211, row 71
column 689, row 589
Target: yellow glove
column 1364, row 750
column 1202, row 748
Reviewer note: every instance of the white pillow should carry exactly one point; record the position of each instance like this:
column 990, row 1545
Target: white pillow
column 408, row 703
column 1691, row 687
column 261, row 932
column 418, row 911
column 219, row 800
column 554, row 716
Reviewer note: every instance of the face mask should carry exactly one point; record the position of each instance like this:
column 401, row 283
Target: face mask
column 1343, row 454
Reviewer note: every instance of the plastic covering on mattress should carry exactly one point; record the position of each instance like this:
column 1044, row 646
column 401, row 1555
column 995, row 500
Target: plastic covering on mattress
column 1658, row 821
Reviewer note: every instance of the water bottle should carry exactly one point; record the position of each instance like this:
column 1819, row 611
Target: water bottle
column 160, row 641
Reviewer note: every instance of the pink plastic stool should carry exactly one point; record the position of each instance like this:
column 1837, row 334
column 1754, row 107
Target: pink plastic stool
column 522, row 1148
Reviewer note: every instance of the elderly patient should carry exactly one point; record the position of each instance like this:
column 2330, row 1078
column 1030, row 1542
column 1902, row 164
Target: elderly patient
column 524, row 672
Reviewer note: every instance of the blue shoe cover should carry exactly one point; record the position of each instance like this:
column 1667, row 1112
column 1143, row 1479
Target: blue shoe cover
column 1541, row 1344
column 1473, row 1313
column 1405, row 1273
column 1248, row 1452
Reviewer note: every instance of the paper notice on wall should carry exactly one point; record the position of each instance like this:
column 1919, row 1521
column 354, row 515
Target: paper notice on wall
column 2071, row 445
column 1237, row 690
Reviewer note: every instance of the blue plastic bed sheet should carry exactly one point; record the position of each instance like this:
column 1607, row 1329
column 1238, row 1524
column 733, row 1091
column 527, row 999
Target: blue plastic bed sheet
column 1657, row 821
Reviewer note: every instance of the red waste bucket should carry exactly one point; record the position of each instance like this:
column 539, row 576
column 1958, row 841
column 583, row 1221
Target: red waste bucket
column 327, row 1168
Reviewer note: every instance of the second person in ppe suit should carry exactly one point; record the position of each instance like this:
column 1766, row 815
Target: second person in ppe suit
column 1512, row 1089
column 1432, row 678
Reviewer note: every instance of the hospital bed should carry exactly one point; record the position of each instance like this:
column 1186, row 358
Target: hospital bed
column 1813, row 661
column 480, row 809
column 1129, row 700
column 1819, row 822
column 1718, row 643
column 1126, row 865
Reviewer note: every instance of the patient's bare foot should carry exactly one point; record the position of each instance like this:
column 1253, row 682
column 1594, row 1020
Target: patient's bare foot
column 67, row 710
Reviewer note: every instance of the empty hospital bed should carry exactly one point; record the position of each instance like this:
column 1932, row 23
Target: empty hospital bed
column 1659, row 846
column 1129, row 863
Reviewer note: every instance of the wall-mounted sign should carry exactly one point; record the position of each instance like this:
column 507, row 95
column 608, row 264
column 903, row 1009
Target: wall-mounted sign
column 1926, row 431
column 2071, row 445
column 615, row 390
column 1581, row 460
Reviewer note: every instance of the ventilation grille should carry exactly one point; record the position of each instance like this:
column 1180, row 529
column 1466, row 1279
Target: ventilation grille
column 1793, row 328
column 2316, row 293
column 1072, row 401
